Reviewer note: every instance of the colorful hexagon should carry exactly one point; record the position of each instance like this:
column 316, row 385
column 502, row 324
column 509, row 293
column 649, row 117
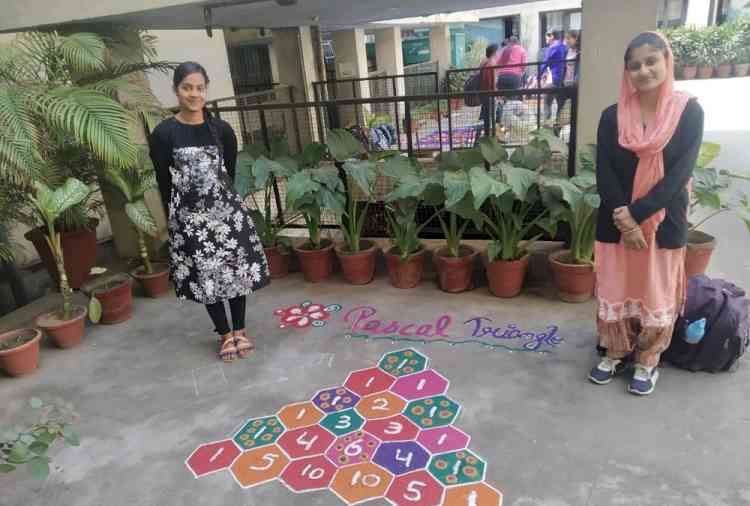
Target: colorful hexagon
column 401, row 457
column 300, row 414
column 443, row 439
column 259, row 432
column 361, row 482
column 420, row 385
column 403, row 362
column 382, row 405
column 335, row 399
column 435, row 411
column 355, row 448
column 417, row 488
column 311, row 473
column 479, row 494
column 259, row 466
column 457, row 468
column 343, row 422
column 212, row 457
column 369, row 381
column 395, row 428
column 306, row 441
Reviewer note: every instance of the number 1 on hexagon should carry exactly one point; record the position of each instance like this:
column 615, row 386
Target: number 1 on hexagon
column 369, row 381
column 261, row 431
column 456, row 467
column 216, row 455
column 301, row 413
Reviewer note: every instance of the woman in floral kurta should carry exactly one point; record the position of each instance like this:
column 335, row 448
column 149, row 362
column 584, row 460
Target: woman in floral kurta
column 215, row 253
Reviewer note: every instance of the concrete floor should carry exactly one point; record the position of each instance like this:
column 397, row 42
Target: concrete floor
column 150, row 391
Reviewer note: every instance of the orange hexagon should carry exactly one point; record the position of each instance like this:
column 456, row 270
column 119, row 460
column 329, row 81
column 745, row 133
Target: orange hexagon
column 479, row 494
column 380, row 405
column 361, row 482
column 300, row 414
column 259, row 466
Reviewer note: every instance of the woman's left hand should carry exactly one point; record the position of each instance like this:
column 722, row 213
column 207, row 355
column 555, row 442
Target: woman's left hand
column 623, row 219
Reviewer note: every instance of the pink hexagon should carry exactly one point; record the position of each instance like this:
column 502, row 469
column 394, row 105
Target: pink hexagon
column 420, row 385
column 395, row 428
column 369, row 381
column 443, row 439
column 355, row 448
column 212, row 457
column 305, row 441
column 311, row 473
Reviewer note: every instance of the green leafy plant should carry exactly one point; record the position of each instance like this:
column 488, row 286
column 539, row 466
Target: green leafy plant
column 575, row 201
column 49, row 204
column 412, row 186
column 133, row 182
column 28, row 446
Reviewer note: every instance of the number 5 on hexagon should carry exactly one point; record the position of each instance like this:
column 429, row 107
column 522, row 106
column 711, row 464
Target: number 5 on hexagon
column 259, row 466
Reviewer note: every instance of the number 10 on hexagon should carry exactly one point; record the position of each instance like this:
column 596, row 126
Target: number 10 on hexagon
column 386, row 432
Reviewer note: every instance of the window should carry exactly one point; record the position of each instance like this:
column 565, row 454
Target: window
column 558, row 20
column 729, row 10
column 671, row 13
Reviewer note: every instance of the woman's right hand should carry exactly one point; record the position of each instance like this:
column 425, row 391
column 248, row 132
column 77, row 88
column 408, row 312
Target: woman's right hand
column 634, row 239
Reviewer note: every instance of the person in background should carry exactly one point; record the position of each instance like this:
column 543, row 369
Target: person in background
column 487, row 82
column 552, row 70
column 647, row 147
column 513, row 61
column 572, row 68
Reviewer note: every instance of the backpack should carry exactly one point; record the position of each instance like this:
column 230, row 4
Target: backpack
column 727, row 328
column 473, row 83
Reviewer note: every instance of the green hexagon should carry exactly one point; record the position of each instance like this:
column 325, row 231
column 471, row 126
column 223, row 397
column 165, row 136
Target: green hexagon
column 259, row 432
column 403, row 362
column 343, row 422
column 436, row 411
column 457, row 468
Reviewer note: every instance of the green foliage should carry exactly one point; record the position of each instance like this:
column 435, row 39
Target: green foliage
column 711, row 45
column 361, row 176
column 29, row 445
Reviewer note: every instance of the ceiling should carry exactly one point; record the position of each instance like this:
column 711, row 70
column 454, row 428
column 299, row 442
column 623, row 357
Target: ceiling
column 329, row 14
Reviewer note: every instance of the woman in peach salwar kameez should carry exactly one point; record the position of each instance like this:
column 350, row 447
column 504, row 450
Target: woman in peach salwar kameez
column 647, row 147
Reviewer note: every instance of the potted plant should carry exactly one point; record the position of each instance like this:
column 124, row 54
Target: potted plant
column 742, row 59
column 19, row 351
column 65, row 326
column 455, row 262
column 412, row 185
column 114, row 292
column 728, row 46
column 29, row 446
column 575, row 202
column 257, row 171
column 708, row 52
column 684, row 42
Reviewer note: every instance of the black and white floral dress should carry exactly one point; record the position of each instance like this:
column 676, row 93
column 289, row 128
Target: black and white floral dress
column 215, row 252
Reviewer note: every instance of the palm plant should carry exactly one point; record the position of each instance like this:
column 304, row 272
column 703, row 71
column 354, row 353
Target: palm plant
column 133, row 182
column 49, row 205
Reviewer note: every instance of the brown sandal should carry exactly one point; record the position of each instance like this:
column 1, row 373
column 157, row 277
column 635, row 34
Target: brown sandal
column 228, row 351
column 242, row 344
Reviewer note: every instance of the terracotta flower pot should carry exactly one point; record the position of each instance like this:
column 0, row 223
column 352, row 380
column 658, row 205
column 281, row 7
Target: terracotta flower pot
column 689, row 72
column 156, row 284
column 407, row 273
column 741, row 69
column 278, row 262
column 505, row 278
column 700, row 247
column 22, row 359
column 455, row 274
column 724, row 70
column 116, row 299
column 705, row 72
column 359, row 268
column 79, row 253
column 65, row 333
column 574, row 282
column 316, row 264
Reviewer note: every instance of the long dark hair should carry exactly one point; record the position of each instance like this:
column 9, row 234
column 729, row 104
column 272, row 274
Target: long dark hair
column 576, row 34
column 652, row 39
column 180, row 73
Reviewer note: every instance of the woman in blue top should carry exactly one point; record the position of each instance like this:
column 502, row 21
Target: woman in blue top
column 554, row 58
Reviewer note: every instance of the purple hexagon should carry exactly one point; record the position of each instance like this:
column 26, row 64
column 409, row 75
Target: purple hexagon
column 401, row 457
column 335, row 399
column 443, row 439
column 420, row 385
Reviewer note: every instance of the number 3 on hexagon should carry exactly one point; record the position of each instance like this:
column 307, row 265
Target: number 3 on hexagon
column 393, row 428
column 344, row 422
column 270, row 458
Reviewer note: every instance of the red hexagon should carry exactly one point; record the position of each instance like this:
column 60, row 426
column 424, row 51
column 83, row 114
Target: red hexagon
column 369, row 381
column 420, row 385
column 417, row 488
column 311, row 473
column 306, row 441
column 212, row 457
column 443, row 439
column 395, row 428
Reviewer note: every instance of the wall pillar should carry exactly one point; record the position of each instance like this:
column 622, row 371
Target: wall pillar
column 351, row 63
column 440, row 47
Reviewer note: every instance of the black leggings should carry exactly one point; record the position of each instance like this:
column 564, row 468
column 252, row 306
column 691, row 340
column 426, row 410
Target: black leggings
column 218, row 315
